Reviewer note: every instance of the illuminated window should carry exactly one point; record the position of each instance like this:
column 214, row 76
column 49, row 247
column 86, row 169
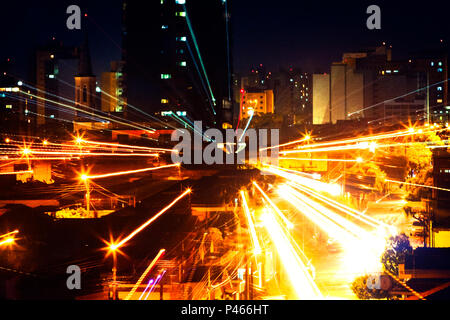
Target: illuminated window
column 164, row 26
column 181, row 38
column 119, row 109
column 180, row 14
column 432, row 63
column 439, row 101
column 164, row 101
column 180, row 1
column 440, row 63
column 182, row 63
column 165, row 76
column 51, row 76
column 8, row 106
column 439, row 70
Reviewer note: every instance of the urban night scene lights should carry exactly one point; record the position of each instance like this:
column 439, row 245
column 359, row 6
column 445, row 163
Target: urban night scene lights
column 231, row 151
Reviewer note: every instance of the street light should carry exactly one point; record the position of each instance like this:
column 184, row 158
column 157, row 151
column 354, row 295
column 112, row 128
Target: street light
column 113, row 248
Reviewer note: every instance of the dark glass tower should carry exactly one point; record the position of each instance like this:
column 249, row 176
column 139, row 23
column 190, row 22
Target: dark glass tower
column 178, row 57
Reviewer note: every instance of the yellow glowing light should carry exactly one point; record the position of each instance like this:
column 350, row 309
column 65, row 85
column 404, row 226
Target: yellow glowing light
column 7, row 140
column 289, row 224
column 9, row 240
column 84, row 177
column 359, row 160
column 299, row 277
column 372, row 146
column 79, row 140
column 26, row 151
column 45, row 142
column 149, row 221
column 120, row 173
column 411, row 130
column 251, row 225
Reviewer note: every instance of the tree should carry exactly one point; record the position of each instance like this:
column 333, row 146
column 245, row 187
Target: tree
column 397, row 248
column 359, row 287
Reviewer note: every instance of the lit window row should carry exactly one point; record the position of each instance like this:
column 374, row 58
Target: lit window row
column 165, row 76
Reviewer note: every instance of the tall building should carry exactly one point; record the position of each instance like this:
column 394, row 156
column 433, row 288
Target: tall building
column 291, row 89
column 55, row 65
column 85, row 83
column 257, row 102
column 321, row 99
column 372, row 86
column 113, row 90
column 17, row 110
column 177, row 57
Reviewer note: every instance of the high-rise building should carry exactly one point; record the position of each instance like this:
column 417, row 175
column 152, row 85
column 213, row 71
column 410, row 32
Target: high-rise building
column 17, row 110
column 372, row 86
column 85, row 83
column 257, row 102
column 177, row 58
column 112, row 87
column 55, row 65
column 321, row 99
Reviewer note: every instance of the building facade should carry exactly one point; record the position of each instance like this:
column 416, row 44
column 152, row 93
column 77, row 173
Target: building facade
column 180, row 58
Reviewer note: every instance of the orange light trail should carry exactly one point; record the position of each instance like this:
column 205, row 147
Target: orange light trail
column 251, row 225
column 289, row 224
column 7, row 241
column 120, row 173
column 115, row 246
column 9, row 233
column 325, row 159
column 15, row 172
column 116, row 145
column 382, row 136
column 304, row 286
column 350, row 211
column 91, row 154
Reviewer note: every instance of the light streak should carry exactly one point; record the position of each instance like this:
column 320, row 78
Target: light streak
column 150, row 282
column 149, row 221
column 324, row 159
column 332, row 189
column 350, row 211
column 288, row 224
column 116, row 145
column 120, row 173
column 9, row 240
column 251, row 225
column 246, row 127
column 302, row 282
column 144, row 274
column 362, row 249
column 9, row 233
column 368, row 138
column 15, row 172
column 91, row 154
column 158, row 278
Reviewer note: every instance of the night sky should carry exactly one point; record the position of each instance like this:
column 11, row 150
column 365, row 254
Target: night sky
column 309, row 34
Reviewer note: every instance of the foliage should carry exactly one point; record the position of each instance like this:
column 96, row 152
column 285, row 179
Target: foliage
column 359, row 287
column 397, row 248
column 419, row 166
